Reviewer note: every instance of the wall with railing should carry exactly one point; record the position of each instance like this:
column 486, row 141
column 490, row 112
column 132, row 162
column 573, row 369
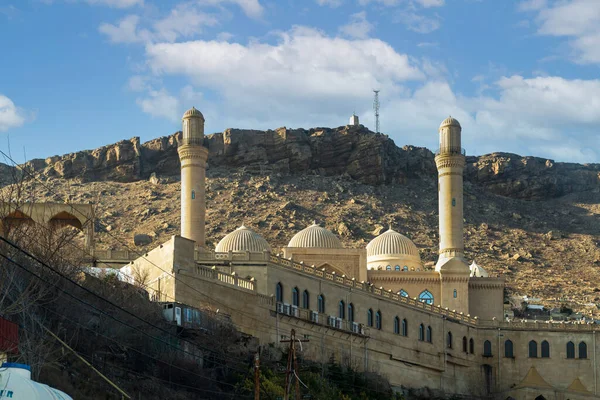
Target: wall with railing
column 230, row 279
column 120, row 255
column 541, row 325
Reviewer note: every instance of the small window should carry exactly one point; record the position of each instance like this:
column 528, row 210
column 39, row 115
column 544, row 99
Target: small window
column 305, row 299
column 378, row 320
column 351, row 312
column 453, row 202
column 405, row 268
column 582, row 350
column 487, row 348
column 428, row 334
column 421, row 332
column 279, row 293
column 321, row 304
column 341, row 309
column 508, row 349
column 403, row 293
column 404, row 327
column 472, row 346
column 370, row 317
column 449, row 340
column 388, row 268
column 465, row 348
column 295, row 297
column 193, row 194
column 533, row 349
column 545, row 349
column 397, row 325
column 426, row 297
column 455, row 293
column 570, row 350
column 397, row 268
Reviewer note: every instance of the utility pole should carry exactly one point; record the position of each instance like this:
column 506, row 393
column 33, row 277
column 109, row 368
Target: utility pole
column 376, row 109
column 257, row 376
column 291, row 371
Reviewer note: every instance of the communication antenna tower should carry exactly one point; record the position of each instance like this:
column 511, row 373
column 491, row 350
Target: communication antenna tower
column 376, row 109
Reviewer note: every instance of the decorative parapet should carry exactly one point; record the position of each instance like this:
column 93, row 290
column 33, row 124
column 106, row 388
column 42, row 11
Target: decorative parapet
column 540, row 325
column 119, row 255
column 230, row 279
column 369, row 288
column 231, row 256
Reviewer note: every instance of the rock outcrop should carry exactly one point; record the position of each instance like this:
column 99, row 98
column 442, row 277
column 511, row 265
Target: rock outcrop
column 363, row 155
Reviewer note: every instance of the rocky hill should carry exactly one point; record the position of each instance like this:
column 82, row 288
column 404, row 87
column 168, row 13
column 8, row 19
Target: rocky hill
column 530, row 219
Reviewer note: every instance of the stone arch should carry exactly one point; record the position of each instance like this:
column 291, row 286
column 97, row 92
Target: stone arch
column 14, row 220
column 540, row 397
column 64, row 218
column 331, row 268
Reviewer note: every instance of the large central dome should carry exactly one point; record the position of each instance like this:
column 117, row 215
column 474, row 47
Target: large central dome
column 243, row 239
column 316, row 236
column 393, row 251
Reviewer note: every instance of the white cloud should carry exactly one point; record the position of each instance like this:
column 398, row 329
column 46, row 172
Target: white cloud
column 225, row 36
column 251, row 8
column 117, row 3
column 578, row 20
column 126, row 31
column 391, row 3
column 330, row 3
column 10, row 115
column 417, row 23
column 532, row 5
column 183, row 21
column 358, row 27
column 387, row 3
column 431, row 3
column 159, row 103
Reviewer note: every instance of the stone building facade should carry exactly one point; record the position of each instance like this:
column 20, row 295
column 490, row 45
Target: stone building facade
column 376, row 309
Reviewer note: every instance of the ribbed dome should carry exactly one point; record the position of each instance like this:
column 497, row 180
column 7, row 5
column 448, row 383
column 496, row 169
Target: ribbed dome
column 450, row 122
column 315, row 236
column 392, row 243
column 243, row 239
column 193, row 112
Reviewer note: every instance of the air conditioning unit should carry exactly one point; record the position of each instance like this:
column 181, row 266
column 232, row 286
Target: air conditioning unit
column 331, row 321
column 314, row 317
column 286, row 309
column 355, row 327
column 295, row 311
column 280, row 308
column 338, row 323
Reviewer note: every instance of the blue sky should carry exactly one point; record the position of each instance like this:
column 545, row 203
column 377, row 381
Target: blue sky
column 521, row 76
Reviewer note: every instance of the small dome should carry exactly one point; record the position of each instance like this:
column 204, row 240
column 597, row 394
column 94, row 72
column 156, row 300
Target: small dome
column 316, row 236
column 449, row 122
column 193, row 112
column 391, row 243
column 243, row 239
column 477, row 271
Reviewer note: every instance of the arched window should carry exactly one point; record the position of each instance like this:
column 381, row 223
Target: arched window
column 397, row 268
column 545, row 349
column 582, row 350
column 378, row 319
column 405, row 268
column 449, row 340
column 397, row 325
column 295, row 297
column 321, row 304
column 487, row 348
column 388, row 268
column 455, row 293
column 305, row 299
column 465, row 348
column 404, row 327
column 533, row 349
column 193, row 194
column 540, row 397
column 370, row 317
column 428, row 334
column 421, row 332
column 279, row 292
column 570, row 350
column 508, row 349
column 341, row 309
column 471, row 346
column 403, row 293
column 426, row 297
column 351, row 312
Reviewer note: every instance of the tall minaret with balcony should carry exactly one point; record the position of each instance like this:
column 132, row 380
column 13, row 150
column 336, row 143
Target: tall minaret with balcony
column 451, row 264
column 193, row 156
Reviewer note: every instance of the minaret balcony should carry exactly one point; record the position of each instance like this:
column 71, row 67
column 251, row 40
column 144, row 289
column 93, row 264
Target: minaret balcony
column 192, row 141
column 451, row 151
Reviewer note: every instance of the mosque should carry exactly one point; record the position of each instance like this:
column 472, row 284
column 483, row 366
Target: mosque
column 375, row 308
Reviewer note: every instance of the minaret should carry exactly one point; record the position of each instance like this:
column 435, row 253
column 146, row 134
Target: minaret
column 454, row 271
column 193, row 156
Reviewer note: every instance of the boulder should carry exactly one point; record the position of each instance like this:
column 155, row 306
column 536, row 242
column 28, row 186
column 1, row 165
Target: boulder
column 141, row 239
